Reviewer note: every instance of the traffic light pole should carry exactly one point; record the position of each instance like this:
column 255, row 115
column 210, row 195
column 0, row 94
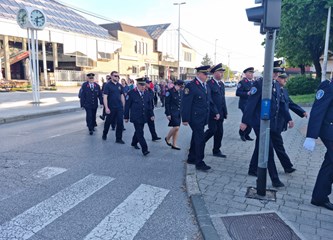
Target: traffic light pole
column 264, row 138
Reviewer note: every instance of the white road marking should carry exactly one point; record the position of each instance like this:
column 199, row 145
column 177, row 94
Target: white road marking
column 36, row 218
column 49, row 172
column 127, row 219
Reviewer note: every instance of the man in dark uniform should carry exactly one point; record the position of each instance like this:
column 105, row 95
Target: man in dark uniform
column 195, row 113
column 173, row 104
column 283, row 124
column 243, row 92
column 251, row 117
column 218, row 109
column 321, row 125
column 90, row 93
column 114, row 102
column 108, row 79
column 151, row 123
column 138, row 109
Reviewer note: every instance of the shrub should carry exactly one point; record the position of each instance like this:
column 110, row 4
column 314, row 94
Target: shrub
column 301, row 84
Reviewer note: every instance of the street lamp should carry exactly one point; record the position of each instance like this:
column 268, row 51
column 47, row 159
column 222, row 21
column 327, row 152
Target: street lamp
column 179, row 36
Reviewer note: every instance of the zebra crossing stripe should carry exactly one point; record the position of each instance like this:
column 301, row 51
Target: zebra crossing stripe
column 36, row 218
column 49, row 172
column 127, row 219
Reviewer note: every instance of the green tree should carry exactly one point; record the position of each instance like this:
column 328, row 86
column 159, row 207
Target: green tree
column 301, row 38
column 206, row 60
column 228, row 72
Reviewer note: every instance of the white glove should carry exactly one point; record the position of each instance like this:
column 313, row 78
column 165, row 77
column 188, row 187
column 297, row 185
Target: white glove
column 309, row 144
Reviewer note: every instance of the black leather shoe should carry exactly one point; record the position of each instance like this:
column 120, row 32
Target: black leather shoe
column 175, row 147
column 156, row 139
column 328, row 205
column 104, row 137
column 202, row 167
column 219, row 154
column 248, row 138
column 102, row 117
column 169, row 144
column 146, row 153
column 252, row 173
column 243, row 138
column 91, row 132
column 289, row 170
column 135, row 146
column 190, row 162
column 120, row 141
column 277, row 184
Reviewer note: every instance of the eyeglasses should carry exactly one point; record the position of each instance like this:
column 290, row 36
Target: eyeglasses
column 115, row 75
column 90, row 75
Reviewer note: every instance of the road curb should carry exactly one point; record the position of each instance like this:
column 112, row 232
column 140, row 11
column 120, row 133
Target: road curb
column 206, row 226
column 37, row 115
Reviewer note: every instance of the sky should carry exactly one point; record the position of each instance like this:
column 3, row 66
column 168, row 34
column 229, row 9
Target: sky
column 207, row 26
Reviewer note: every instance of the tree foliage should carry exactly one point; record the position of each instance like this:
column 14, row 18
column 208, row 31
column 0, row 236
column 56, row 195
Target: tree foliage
column 301, row 38
column 206, row 60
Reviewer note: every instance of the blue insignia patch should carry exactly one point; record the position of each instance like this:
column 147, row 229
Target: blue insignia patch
column 253, row 90
column 167, row 94
column 320, row 93
column 239, row 85
column 127, row 97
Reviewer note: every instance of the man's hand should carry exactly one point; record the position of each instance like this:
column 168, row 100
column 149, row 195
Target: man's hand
column 305, row 115
column 217, row 117
column 185, row 123
column 309, row 144
column 291, row 124
column 107, row 110
column 101, row 106
column 126, row 120
column 243, row 126
column 152, row 118
column 169, row 117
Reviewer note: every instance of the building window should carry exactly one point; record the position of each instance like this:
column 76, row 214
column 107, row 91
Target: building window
column 136, row 47
column 187, row 57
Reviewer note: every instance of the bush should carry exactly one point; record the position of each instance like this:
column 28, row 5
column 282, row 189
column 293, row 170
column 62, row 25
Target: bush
column 301, row 84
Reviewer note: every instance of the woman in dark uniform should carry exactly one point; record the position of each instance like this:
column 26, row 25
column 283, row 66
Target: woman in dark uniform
column 173, row 100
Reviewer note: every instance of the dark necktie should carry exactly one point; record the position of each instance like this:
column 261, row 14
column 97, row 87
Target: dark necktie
column 91, row 86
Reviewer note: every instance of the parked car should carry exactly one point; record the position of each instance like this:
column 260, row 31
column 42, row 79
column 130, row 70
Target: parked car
column 228, row 84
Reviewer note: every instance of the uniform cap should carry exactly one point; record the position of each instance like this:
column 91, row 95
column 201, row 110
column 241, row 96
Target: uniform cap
column 277, row 63
column 283, row 75
column 217, row 67
column 278, row 69
column 203, row 69
column 179, row 82
column 249, row 69
column 141, row 81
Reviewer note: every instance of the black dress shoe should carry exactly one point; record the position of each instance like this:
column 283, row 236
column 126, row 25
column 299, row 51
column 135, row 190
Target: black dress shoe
column 202, row 167
column 146, row 153
column 104, row 137
column 328, row 205
column 175, row 147
column 252, row 173
column 190, row 162
column 135, row 146
column 277, row 184
column 289, row 170
column 243, row 138
column 120, row 141
column 169, row 144
column 219, row 154
column 156, row 139
column 248, row 138
column 102, row 117
column 91, row 132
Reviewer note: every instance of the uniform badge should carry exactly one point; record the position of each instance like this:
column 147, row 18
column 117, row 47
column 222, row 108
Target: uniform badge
column 320, row 93
column 253, row 90
column 127, row 97
column 167, row 94
column 119, row 88
column 239, row 85
column 186, row 91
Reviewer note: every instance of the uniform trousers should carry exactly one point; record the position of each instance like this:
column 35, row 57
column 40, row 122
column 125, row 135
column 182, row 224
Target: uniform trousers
column 277, row 141
column 254, row 160
column 197, row 148
column 247, row 131
column 116, row 116
column 323, row 186
column 215, row 128
column 138, row 136
column 91, row 118
column 151, row 125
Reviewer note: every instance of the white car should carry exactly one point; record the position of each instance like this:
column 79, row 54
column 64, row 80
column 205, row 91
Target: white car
column 229, row 84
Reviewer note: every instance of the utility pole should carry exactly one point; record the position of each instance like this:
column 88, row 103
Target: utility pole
column 179, row 36
column 229, row 66
column 215, row 52
column 324, row 67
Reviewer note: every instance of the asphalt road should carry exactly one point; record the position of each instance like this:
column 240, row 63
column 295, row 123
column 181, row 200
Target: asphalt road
column 58, row 182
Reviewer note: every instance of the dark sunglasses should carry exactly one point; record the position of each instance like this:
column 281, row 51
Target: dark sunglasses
column 90, row 75
column 116, row 75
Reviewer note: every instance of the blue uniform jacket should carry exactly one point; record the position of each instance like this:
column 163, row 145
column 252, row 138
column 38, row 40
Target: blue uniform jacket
column 173, row 102
column 217, row 93
column 321, row 115
column 252, row 111
column 243, row 88
column 88, row 97
column 196, row 103
column 138, row 108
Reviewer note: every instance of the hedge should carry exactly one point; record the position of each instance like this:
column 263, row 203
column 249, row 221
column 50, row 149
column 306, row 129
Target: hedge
column 301, row 84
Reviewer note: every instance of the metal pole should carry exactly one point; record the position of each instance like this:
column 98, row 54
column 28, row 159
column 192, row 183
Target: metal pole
column 265, row 105
column 179, row 36
column 228, row 66
column 45, row 64
column 215, row 52
column 324, row 67
column 37, row 67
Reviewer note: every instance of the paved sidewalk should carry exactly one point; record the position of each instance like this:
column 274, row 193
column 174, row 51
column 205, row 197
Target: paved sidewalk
column 224, row 187
column 221, row 191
